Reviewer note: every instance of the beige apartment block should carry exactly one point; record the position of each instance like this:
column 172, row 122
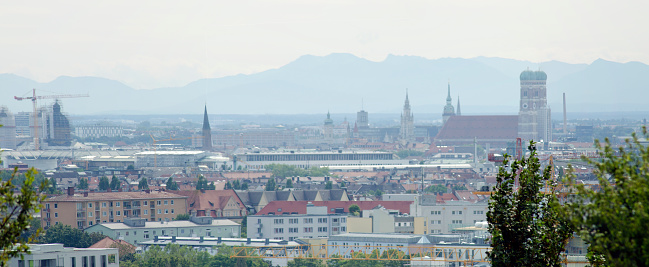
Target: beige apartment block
column 82, row 210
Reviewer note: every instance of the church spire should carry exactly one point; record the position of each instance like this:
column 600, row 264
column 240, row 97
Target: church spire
column 206, row 121
column 207, row 132
column 448, row 96
column 458, row 113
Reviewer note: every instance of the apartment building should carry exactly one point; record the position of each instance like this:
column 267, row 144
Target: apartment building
column 44, row 255
column 315, row 223
column 136, row 230
column 87, row 209
column 445, row 218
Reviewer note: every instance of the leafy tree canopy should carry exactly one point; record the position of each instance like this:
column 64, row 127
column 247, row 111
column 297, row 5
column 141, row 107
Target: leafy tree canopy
column 525, row 224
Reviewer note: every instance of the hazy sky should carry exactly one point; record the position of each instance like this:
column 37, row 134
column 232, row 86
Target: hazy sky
column 149, row 44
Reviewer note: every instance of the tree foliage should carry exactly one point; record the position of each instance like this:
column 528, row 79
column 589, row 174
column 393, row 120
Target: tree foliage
column 83, row 184
column 409, row 153
column 71, row 237
column 115, row 184
column 525, row 224
column 435, row 189
column 171, row 184
column 202, row 184
column 354, row 209
column 143, row 184
column 174, row 255
column 289, row 183
column 271, row 185
column 376, row 254
column 17, row 206
column 104, row 184
column 329, row 185
column 613, row 219
column 182, row 217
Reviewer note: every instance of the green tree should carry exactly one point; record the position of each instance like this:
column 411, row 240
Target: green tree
column 459, row 187
column 83, row 184
column 227, row 186
column 171, row 184
column 270, row 185
column 244, row 186
column 104, row 184
column 289, row 183
column 202, row 184
column 52, row 187
column 306, row 263
column 70, row 237
column 525, row 224
column 329, row 185
column 130, row 168
column 236, row 185
column 182, row 217
column 17, row 211
column 143, row 184
column 354, row 209
column 436, row 189
column 115, row 184
column 613, row 219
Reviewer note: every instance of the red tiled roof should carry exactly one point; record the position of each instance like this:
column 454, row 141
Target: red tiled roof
column 108, row 242
column 504, row 127
column 299, row 207
column 209, row 199
column 446, row 197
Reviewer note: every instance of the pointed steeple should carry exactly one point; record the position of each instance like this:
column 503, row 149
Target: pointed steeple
column 407, row 103
column 448, row 96
column 206, row 121
column 458, row 113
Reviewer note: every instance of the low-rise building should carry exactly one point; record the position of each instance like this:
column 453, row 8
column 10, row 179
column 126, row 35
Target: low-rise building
column 315, row 223
column 381, row 220
column 344, row 244
column 447, row 216
column 45, row 255
column 136, row 231
column 87, row 209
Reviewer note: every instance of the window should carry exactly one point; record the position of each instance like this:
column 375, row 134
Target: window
column 126, row 233
column 145, row 203
column 343, row 229
column 308, row 229
column 334, row 220
column 159, row 211
column 172, row 202
column 103, row 213
column 459, row 212
column 118, row 213
column 158, row 202
column 308, row 220
column 146, row 212
column 322, row 229
column 117, row 204
column 342, row 220
column 279, row 230
column 166, row 202
column 182, row 231
column 322, row 220
column 478, row 212
column 146, row 234
column 103, row 204
column 79, row 206
column 279, row 221
column 456, row 221
column 89, row 205
column 172, row 211
column 56, row 215
column 73, row 261
column 435, row 212
column 56, row 205
column 90, row 214
column 292, row 221
column 292, row 230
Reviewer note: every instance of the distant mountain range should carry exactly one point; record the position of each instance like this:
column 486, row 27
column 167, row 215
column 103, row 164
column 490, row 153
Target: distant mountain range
column 343, row 83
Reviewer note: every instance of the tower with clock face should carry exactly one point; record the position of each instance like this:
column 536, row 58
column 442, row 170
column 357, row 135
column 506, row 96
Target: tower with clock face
column 534, row 121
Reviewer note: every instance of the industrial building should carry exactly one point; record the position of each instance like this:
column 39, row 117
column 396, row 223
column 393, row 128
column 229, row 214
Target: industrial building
column 302, row 159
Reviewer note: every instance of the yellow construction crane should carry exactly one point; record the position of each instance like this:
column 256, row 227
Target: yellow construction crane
column 33, row 99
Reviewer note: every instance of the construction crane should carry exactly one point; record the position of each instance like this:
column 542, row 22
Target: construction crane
column 33, row 98
column 155, row 141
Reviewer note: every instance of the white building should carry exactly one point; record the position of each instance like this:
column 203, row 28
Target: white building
column 98, row 131
column 136, row 231
column 167, row 158
column 344, row 244
column 315, row 223
column 46, row 255
column 447, row 217
column 256, row 161
column 8, row 129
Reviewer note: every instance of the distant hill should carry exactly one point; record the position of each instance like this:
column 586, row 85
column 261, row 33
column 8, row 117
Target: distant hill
column 339, row 82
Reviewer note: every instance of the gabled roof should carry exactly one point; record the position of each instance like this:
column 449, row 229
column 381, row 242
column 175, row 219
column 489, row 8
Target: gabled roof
column 108, row 242
column 209, row 199
column 491, row 127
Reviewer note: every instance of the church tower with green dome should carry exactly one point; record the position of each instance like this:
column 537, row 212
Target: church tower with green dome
column 534, row 121
column 448, row 109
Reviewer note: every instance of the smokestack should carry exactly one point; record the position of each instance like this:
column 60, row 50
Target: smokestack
column 565, row 123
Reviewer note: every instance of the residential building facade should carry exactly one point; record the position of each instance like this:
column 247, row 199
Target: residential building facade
column 46, row 255
column 315, row 223
column 87, row 209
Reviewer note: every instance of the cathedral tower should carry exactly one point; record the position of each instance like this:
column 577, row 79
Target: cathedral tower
column 207, row 132
column 448, row 109
column 407, row 132
column 534, row 121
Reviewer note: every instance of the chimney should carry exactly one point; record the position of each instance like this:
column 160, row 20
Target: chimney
column 70, row 190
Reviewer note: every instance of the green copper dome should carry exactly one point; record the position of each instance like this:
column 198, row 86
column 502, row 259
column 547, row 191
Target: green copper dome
column 533, row 75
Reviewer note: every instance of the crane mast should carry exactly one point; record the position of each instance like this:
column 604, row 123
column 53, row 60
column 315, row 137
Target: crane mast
column 33, row 98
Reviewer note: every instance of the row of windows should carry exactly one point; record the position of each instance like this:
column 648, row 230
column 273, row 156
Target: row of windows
column 306, row 220
column 119, row 203
column 459, row 212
